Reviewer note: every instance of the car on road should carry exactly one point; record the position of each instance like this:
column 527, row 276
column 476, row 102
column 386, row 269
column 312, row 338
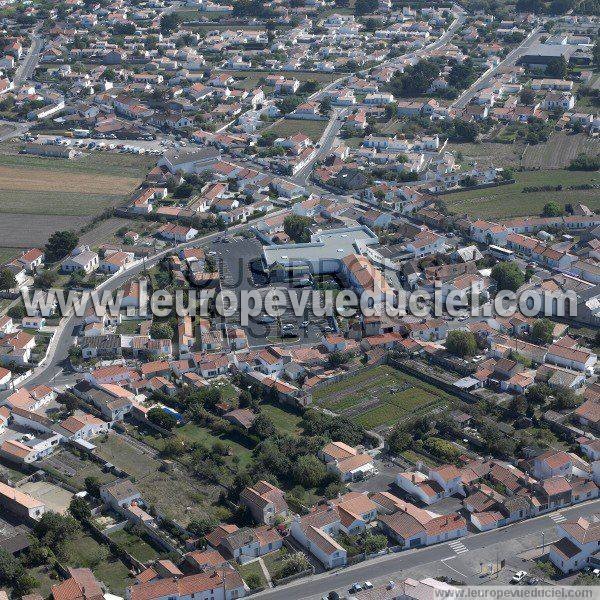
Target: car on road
column 304, row 324
column 518, row 576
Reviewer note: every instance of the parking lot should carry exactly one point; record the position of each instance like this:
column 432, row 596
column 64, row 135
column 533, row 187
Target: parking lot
column 235, row 261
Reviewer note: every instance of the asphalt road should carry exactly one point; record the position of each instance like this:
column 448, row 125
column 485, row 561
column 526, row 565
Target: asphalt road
column 29, row 63
column 510, row 60
column 391, row 566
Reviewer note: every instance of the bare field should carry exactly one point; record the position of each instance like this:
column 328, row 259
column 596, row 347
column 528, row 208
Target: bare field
column 39, row 196
column 489, row 153
column 558, row 152
column 45, row 180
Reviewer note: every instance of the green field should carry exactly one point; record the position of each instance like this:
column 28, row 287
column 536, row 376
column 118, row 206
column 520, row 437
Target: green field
column 136, row 546
column 380, row 397
column 97, row 163
column 288, row 127
column 508, row 201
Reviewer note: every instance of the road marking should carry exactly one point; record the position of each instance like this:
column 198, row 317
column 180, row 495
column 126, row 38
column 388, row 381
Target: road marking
column 558, row 518
column 458, row 547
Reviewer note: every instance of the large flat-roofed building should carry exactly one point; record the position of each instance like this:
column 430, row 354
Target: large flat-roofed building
column 540, row 55
column 323, row 254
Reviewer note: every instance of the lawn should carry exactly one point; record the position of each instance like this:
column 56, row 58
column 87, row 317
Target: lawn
column 288, row 127
column 193, row 433
column 11, row 471
column 7, row 254
column 250, row 569
column 135, row 545
column 380, row 397
column 284, row 420
column 116, row 450
column 508, row 201
column 115, row 575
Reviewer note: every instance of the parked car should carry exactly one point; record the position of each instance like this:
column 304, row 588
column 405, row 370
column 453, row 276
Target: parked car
column 356, row 587
column 518, row 576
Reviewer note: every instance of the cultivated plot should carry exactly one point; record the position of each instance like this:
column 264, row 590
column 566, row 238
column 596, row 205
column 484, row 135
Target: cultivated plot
column 380, row 397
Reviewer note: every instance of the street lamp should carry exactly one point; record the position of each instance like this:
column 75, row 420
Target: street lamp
column 543, row 544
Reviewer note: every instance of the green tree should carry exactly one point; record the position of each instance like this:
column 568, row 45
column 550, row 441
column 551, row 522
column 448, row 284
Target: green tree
column 80, row 509
column 584, row 162
column 461, row 343
column 552, row 209
column 54, row 529
column 541, row 331
column 92, row 486
column 365, row 7
column 161, row 330
column 24, row 584
column 7, row 280
column 45, row 279
column 59, row 245
column 297, row 227
column 173, row 448
column 398, row 440
column 508, row 276
column 291, row 565
column 325, row 107
column 161, row 418
column 263, row 426
column 309, row 471
column 538, row 393
column 565, row 398
column 202, row 525
column 337, row 358
column 520, row 405
column 169, row 22
column 557, row 68
column 527, row 96
column 374, row 543
column 254, row 581
column 10, row 568
column 596, row 53
column 464, row 131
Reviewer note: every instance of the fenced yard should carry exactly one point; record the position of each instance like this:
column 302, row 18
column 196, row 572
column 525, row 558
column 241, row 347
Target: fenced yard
column 380, row 397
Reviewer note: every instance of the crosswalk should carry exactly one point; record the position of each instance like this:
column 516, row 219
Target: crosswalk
column 458, row 547
column 558, row 517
